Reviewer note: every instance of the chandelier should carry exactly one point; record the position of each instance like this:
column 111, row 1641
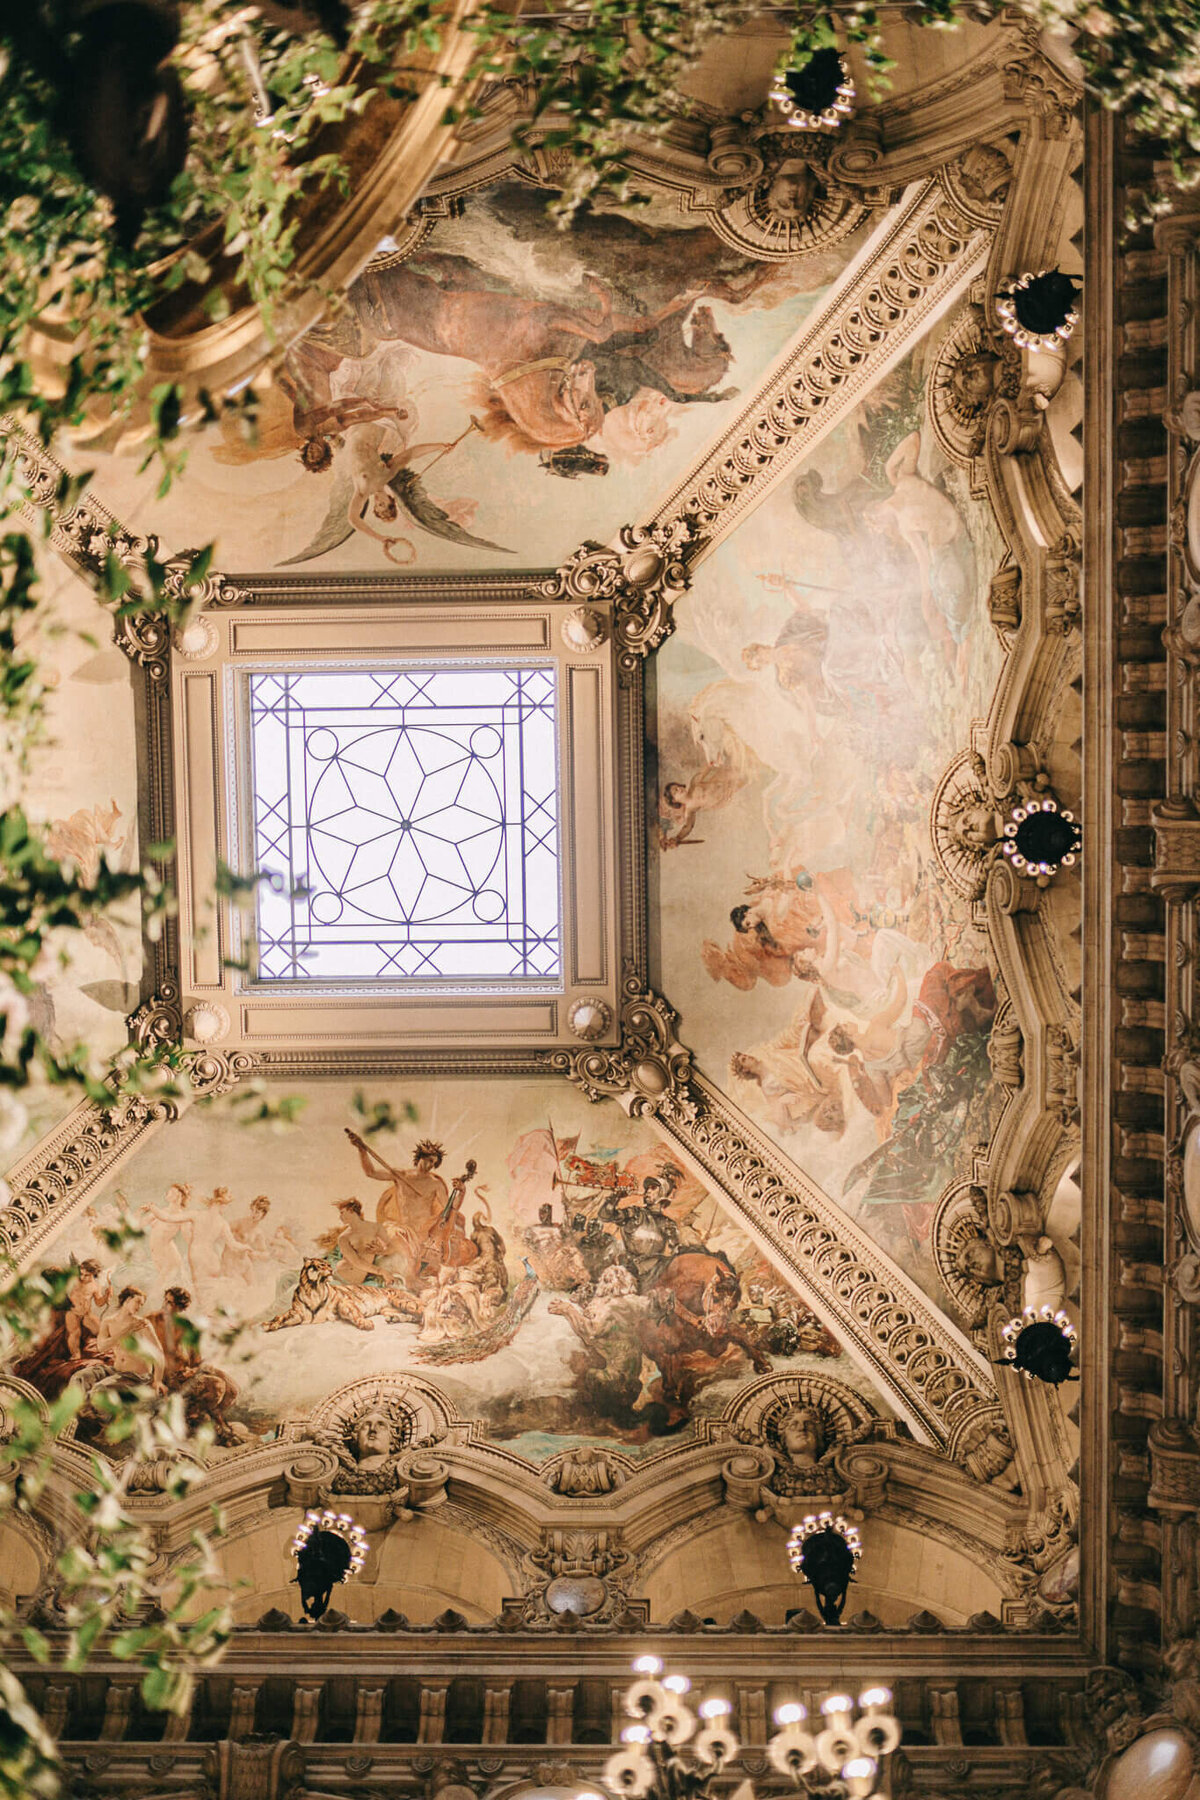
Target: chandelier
column 818, row 95
column 666, row 1757
column 328, row 1547
column 1040, row 1343
column 826, row 1549
column 1040, row 837
column 1039, row 311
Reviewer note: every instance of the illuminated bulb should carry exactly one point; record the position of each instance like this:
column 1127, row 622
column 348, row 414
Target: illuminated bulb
column 676, row 1684
column 791, row 1714
column 714, row 1709
column 836, row 1703
column 877, row 1696
column 648, row 1665
column 636, row 1734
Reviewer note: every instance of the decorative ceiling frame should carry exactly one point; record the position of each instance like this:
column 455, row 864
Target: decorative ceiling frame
column 928, row 253
column 928, row 1368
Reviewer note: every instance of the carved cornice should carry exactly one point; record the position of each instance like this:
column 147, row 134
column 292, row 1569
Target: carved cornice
column 921, row 257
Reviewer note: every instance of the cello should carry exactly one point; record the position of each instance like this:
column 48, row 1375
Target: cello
column 448, row 1246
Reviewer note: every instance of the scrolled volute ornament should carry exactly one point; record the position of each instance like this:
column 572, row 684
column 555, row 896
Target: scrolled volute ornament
column 213, row 1072
column 158, row 1023
column 647, row 1070
column 642, row 578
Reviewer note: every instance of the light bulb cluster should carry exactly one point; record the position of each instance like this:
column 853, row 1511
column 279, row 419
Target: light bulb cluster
column 1025, row 339
column 1056, row 826
column 1035, row 1315
column 845, row 1746
column 825, row 1521
column 850, row 1745
column 655, row 1702
column 801, row 118
column 343, row 1526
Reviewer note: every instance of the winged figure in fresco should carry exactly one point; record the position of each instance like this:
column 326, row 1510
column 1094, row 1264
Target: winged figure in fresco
column 376, row 480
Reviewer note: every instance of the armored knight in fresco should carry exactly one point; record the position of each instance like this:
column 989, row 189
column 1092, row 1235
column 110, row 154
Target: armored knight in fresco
column 648, row 1232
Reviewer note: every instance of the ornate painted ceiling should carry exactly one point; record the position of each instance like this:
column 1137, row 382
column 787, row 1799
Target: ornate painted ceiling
column 755, row 432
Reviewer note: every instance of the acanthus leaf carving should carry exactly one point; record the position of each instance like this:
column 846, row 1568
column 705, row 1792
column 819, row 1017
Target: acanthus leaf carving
column 649, row 1066
column 642, row 579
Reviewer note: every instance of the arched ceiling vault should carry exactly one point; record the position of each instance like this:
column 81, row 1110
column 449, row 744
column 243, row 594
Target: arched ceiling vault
column 882, row 391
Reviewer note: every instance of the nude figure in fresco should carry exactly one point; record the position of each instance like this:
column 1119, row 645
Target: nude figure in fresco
column 925, row 518
column 681, row 803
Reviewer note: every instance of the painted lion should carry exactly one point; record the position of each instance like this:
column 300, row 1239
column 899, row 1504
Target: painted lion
column 318, row 1297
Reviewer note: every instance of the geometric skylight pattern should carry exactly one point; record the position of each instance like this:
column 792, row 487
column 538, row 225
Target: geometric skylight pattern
column 412, row 815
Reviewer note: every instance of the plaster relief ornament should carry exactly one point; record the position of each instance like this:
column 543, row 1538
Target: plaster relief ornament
column 589, row 1019
column 984, row 173
column 370, row 1460
column 585, row 1471
column 974, row 1270
column 1184, row 1166
column 964, row 824
column 797, row 1426
column 793, row 206
column 584, row 1573
column 965, row 381
column 584, row 630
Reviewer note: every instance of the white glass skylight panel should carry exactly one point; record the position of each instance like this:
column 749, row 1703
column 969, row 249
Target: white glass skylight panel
column 411, row 816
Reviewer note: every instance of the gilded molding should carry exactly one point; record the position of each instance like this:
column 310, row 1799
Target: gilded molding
column 87, row 534
column 646, row 1070
column 49, row 1183
column 642, row 579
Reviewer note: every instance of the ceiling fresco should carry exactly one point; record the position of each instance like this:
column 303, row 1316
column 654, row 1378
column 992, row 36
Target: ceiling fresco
column 91, row 979
column 550, row 1266
column 826, row 666
column 494, row 395
column 741, row 1232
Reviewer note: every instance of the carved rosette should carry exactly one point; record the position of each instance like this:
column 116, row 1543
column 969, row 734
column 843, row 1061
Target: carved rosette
column 647, row 1069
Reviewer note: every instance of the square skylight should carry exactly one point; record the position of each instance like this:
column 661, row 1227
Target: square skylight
column 411, row 818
